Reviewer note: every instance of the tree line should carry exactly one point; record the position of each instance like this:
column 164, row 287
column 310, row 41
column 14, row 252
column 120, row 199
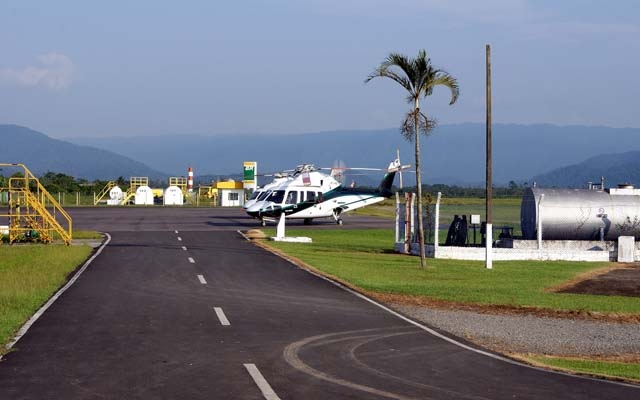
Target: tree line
column 56, row 182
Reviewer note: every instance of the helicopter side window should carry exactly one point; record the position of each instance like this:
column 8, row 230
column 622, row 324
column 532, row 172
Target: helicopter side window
column 311, row 197
column 292, row 197
column 276, row 196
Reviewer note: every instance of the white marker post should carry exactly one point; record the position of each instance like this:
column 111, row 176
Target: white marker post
column 489, row 245
column 280, row 231
column 436, row 227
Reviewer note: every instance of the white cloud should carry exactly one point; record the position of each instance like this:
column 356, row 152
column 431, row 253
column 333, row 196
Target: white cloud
column 54, row 71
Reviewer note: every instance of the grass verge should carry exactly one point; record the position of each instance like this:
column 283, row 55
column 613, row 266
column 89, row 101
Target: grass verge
column 608, row 369
column 29, row 275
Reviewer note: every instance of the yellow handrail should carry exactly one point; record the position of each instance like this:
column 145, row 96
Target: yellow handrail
column 104, row 192
column 28, row 192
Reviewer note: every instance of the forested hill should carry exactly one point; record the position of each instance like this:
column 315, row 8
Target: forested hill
column 615, row 168
column 41, row 154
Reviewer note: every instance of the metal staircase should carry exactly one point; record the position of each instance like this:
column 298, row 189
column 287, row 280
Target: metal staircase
column 105, row 191
column 34, row 215
column 134, row 183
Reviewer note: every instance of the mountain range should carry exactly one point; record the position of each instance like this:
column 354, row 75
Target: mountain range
column 452, row 154
column 41, row 154
column 620, row 168
column 563, row 156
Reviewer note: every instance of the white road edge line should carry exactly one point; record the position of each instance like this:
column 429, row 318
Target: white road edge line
column 184, row 248
column 437, row 334
column 202, row 280
column 23, row 330
column 262, row 383
column 191, row 260
column 223, row 318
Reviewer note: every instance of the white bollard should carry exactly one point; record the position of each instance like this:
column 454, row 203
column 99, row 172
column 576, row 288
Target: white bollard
column 280, row 231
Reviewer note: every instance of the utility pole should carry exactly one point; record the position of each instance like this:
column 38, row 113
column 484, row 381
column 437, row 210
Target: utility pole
column 488, row 206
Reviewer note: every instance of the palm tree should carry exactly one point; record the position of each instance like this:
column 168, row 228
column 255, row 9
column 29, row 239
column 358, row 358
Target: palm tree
column 418, row 77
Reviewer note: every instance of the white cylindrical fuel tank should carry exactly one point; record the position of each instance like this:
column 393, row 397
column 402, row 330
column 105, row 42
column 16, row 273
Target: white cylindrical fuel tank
column 116, row 193
column 173, row 196
column 115, row 196
column 144, row 196
column 580, row 214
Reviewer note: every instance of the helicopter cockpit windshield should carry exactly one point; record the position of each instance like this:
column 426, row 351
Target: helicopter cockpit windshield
column 275, row 196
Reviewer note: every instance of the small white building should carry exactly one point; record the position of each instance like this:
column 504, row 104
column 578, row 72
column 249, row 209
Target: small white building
column 173, row 196
column 230, row 193
column 144, row 196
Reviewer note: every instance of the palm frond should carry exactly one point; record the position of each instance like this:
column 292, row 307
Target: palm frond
column 387, row 73
column 443, row 78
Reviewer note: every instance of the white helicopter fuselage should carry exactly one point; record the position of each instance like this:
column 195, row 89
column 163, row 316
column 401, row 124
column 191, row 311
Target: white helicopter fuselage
column 311, row 194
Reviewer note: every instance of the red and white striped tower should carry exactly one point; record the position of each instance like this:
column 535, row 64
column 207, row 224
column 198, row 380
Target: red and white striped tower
column 190, row 180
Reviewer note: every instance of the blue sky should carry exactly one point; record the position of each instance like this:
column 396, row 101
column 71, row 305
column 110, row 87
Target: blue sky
column 112, row 68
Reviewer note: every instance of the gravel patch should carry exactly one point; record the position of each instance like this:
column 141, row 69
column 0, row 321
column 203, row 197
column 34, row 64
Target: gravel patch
column 532, row 334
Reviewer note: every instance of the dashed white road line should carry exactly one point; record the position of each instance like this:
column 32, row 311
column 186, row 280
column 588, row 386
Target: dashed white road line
column 179, row 239
column 262, row 383
column 202, row 280
column 184, row 248
column 176, row 231
column 191, row 260
column 223, row 318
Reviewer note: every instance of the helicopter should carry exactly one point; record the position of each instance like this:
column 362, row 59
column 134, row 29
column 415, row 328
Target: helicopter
column 309, row 193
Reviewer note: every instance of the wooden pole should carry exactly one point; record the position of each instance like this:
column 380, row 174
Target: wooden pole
column 489, row 210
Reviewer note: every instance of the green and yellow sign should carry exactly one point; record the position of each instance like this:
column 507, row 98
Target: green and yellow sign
column 249, row 174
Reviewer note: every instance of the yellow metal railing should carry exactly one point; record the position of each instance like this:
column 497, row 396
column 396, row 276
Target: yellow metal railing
column 97, row 199
column 33, row 213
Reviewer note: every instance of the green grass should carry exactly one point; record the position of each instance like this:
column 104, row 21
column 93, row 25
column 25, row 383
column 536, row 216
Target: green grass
column 86, row 235
column 592, row 367
column 365, row 259
column 29, row 275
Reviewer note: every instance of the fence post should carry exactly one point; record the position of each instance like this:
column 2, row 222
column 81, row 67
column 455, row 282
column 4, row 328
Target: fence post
column 540, row 221
column 397, row 217
column 436, row 226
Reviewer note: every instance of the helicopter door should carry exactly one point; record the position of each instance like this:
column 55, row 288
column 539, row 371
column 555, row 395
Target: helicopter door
column 292, row 197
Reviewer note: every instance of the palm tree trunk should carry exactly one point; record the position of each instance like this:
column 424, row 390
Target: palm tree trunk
column 423, row 261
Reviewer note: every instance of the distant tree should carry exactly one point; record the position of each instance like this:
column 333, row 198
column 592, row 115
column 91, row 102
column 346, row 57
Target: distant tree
column 418, row 77
column 58, row 182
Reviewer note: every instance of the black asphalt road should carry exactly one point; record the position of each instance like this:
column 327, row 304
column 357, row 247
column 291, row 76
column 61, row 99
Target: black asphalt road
column 145, row 321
